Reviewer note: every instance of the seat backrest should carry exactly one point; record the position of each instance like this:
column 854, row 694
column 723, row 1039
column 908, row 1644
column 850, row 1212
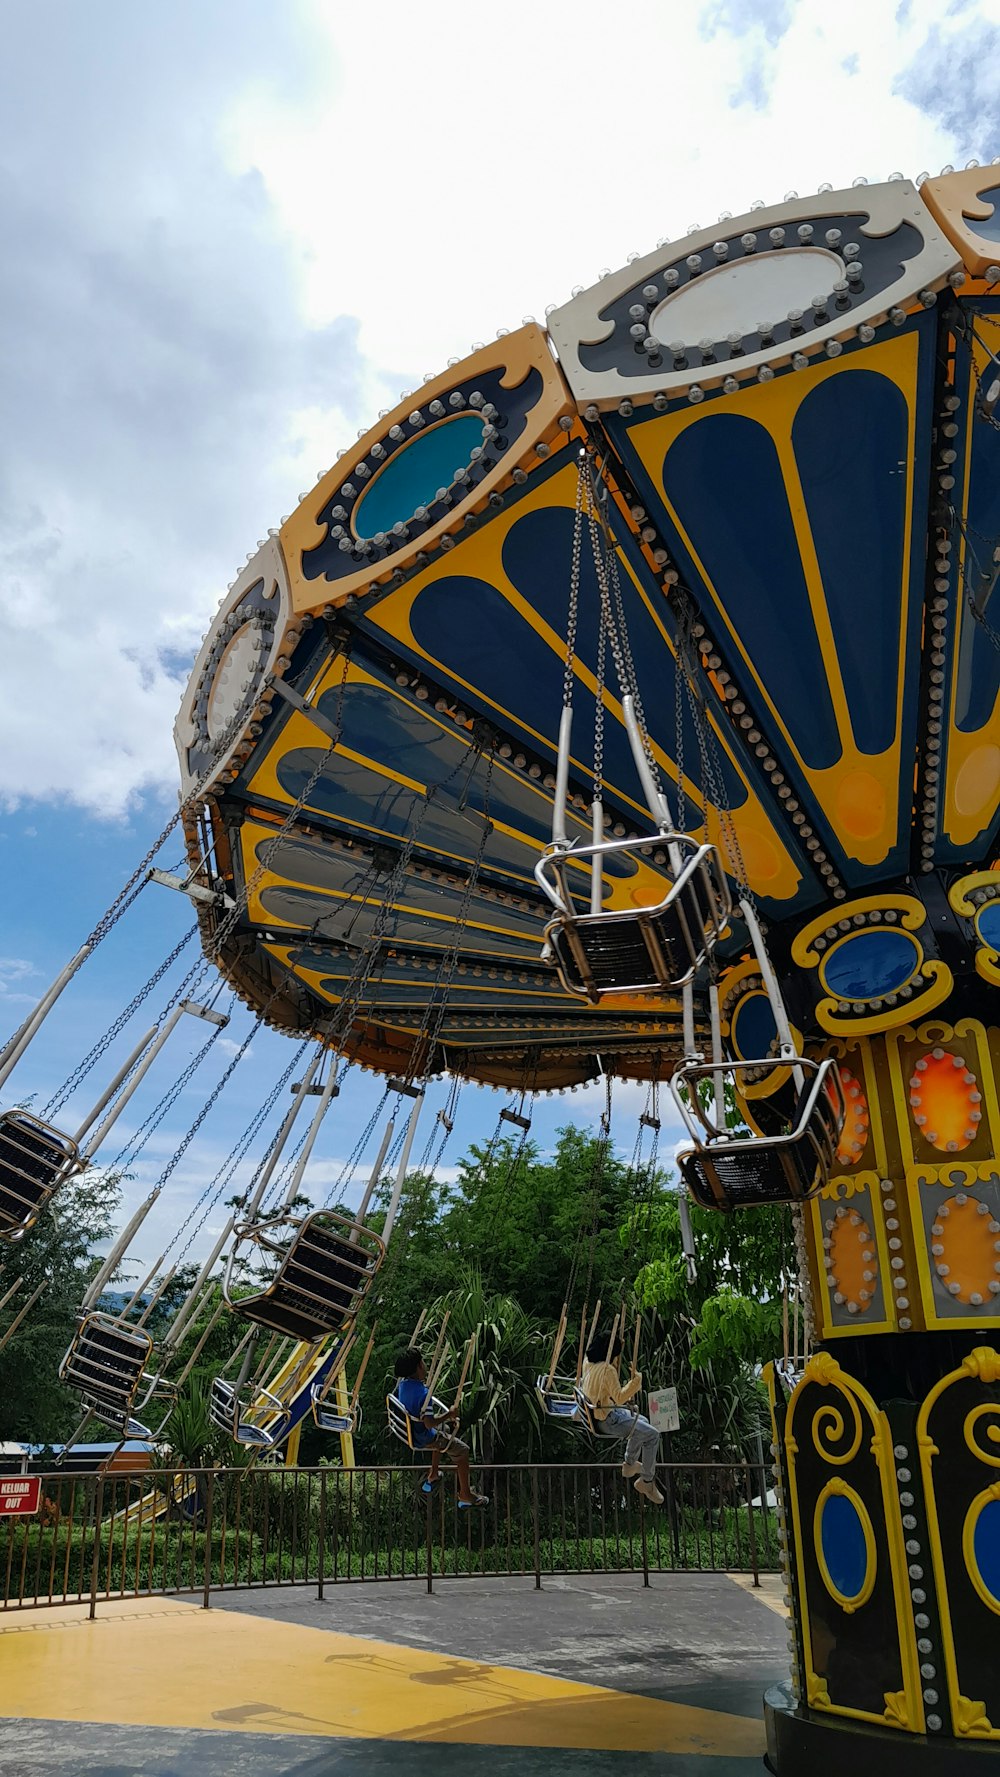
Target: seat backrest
column 34, row 1159
column 400, row 1423
column 586, row 1410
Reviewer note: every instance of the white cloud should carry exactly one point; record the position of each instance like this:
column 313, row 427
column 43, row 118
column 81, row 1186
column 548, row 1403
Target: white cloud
column 231, row 235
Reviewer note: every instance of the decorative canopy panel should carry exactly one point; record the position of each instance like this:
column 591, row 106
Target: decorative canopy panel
column 793, row 430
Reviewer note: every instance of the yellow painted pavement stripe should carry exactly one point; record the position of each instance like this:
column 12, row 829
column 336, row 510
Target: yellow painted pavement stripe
column 225, row 1671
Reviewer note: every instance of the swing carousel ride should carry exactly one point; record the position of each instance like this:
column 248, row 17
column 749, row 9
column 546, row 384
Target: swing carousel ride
column 625, row 703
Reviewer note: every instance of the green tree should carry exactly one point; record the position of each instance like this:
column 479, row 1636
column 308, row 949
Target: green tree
column 501, row 1417
column 708, row 1337
column 59, row 1252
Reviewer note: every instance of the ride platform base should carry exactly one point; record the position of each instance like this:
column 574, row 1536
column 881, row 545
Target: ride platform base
column 806, row 1743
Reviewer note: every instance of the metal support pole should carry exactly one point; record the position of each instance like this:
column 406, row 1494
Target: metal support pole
column 284, row 1132
column 322, row 1107
column 376, row 1173
column 21, row 1038
column 561, row 790
column 119, row 1079
column 404, row 1161
column 596, row 870
column 142, row 1070
column 773, row 991
column 120, row 1247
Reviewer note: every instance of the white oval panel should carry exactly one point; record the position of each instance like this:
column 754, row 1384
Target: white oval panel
column 736, row 298
column 233, row 681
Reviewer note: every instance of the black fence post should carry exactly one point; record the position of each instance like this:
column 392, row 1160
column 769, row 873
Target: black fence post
column 209, row 1501
column 753, row 1526
column 430, row 1543
column 96, row 1561
column 535, row 1530
column 322, row 1532
column 642, row 1535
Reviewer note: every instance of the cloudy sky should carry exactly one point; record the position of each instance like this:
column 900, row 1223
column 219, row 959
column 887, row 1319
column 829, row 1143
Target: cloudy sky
column 231, row 233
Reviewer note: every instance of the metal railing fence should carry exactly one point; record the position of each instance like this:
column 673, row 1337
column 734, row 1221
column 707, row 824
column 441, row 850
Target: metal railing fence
column 199, row 1531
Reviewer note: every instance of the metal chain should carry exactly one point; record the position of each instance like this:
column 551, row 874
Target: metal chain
column 602, row 659
column 139, row 877
column 680, row 678
column 114, row 1029
column 574, row 582
column 135, row 1145
column 213, row 1191
column 713, row 779
column 347, row 1170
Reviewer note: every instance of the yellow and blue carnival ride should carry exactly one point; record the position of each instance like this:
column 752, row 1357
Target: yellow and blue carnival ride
column 625, row 702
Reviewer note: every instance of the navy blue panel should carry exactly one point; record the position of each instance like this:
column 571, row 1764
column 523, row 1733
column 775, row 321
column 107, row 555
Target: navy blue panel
column 870, row 964
column 978, row 674
column 988, row 925
column 986, row 1547
column 397, row 734
column 474, row 632
column 844, row 1547
column 752, row 1027
column 850, row 443
column 724, row 480
column 532, row 545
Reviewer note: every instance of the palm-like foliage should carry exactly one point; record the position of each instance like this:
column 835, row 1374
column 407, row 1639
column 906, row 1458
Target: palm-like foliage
column 189, row 1433
column 501, row 1417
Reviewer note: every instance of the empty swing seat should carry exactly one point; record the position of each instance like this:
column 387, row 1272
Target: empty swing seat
column 636, row 949
column 231, row 1413
column 35, row 1160
column 558, row 1401
column 106, row 1365
column 329, row 1417
column 324, row 1267
column 724, row 1172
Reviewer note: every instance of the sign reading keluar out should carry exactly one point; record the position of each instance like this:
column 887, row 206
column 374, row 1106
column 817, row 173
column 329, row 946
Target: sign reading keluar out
column 20, row 1495
column 663, row 1410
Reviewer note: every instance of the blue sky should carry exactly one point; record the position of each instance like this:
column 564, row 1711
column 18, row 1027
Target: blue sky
column 232, row 234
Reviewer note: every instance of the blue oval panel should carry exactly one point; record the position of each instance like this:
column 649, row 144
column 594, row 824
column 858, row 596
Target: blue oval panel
column 870, row 964
column 412, row 476
column 753, row 1028
column 986, row 1547
column 988, row 924
column 844, row 1550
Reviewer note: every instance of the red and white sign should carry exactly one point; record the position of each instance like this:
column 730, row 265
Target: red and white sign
column 20, row 1495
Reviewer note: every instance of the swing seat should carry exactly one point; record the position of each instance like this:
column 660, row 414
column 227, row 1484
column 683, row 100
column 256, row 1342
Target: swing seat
column 106, row 1365
column 230, row 1411
column 558, row 1401
column 724, row 1172
column 407, row 1429
column 587, row 1418
column 324, row 1267
column 637, row 949
column 35, row 1160
column 332, row 1418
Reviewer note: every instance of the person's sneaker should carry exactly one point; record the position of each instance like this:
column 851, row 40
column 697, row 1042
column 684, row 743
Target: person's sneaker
column 650, row 1491
column 631, row 1469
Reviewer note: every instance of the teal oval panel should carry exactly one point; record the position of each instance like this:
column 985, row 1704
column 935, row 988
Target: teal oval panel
column 752, row 1027
column 870, row 964
column 844, row 1548
column 412, row 476
column 986, row 1547
column 988, row 924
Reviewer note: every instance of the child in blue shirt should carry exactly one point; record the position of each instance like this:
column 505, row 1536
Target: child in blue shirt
column 431, row 1430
